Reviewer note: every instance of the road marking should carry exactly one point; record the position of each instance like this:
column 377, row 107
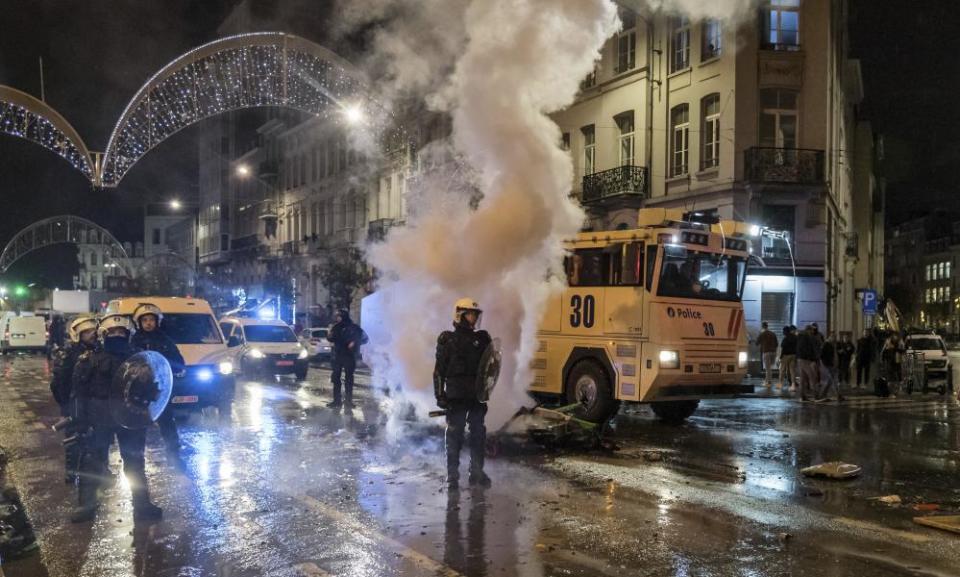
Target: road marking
column 406, row 552
column 894, row 534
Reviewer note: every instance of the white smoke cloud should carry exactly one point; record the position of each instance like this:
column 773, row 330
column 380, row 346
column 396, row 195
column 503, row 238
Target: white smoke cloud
column 523, row 59
column 730, row 10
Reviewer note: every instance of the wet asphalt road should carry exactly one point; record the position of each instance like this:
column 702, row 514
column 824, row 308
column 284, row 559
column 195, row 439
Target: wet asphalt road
column 284, row 486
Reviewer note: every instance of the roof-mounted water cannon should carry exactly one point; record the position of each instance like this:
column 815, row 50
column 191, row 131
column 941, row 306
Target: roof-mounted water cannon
column 671, row 218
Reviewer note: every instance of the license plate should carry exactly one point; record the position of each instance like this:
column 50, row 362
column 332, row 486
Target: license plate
column 284, row 363
column 185, row 399
column 710, row 368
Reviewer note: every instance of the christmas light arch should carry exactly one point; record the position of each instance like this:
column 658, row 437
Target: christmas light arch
column 64, row 229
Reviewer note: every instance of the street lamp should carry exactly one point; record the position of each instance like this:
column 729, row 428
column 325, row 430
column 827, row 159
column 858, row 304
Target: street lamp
column 243, row 170
column 354, row 114
column 176, row 204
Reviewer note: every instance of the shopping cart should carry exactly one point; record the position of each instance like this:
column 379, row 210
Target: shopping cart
column 915, row 372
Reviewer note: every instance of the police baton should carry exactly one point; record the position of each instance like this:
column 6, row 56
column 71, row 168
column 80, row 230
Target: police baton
column 442, row 413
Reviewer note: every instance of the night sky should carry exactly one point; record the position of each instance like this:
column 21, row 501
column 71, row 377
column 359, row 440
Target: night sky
column 97, row 53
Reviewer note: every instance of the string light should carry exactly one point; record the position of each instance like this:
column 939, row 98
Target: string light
column 16, row 120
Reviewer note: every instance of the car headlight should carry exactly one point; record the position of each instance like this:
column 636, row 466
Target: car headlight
column 669, row 360
column 256, row 354
column 742, row 359
column 303, row 353
column 226, row 367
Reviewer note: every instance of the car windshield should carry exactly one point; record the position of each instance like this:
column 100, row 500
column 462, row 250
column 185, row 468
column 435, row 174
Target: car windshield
column 700, row 275
column 191, row 329
column 319, row 334
column 269, row 334
column 925, row 344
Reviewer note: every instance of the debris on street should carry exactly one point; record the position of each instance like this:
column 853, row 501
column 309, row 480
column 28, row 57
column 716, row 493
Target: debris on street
column 888, row 499
column 943, row 522
column 832, row 470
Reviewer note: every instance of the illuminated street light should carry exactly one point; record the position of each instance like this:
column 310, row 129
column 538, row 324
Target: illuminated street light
column 353, row 114
column 243, row 170
column 175, row 204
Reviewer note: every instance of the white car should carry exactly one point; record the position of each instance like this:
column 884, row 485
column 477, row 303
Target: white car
column 315, row 341
column 939, row 367
column 265, row 347
column 23, row 333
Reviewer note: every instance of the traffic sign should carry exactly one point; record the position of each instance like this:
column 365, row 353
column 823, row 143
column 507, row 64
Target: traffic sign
column 869, row 302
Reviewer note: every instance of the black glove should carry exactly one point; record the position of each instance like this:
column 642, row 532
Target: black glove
column 442, row 402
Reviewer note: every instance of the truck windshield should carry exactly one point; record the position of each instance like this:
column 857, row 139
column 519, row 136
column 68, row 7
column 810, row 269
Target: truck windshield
column 700, row 275
column 191, row 329
column 269, row 334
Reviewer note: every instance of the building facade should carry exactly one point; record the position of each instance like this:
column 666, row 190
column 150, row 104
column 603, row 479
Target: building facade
column 756, row 123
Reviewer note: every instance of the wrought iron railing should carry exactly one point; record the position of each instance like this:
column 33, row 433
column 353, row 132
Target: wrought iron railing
column 377, row 229
column 789, row 165
column 621, row 181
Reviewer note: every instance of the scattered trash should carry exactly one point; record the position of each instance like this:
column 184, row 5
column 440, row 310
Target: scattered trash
column 652, row 456
column 833, row 470
column 784, row 537
column 926, row 507
column 943, row 522
column 888, row 499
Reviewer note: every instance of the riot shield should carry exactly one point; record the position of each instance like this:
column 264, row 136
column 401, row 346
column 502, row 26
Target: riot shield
column 489, row 371
column 140, row 390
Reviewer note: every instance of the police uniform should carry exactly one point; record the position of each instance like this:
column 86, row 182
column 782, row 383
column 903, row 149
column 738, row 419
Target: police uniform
column 92, row 380
column 157, row 340
column 457, row 389
column 61, row 384
column 344, row 362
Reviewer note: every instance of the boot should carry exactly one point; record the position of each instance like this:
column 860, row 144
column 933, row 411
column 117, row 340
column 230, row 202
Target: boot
column 480, row 478
column 334, row 404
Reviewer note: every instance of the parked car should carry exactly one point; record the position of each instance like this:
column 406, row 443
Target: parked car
column 934, row 349
column 23, row 333
column 265, row 347
column 316, row 343
column 208, row 378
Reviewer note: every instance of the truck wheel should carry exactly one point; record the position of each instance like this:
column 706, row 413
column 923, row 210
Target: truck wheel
column 674, row 412
column 589, row 387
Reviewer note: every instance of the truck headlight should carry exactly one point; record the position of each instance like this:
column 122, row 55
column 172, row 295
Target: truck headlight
column 742, row 359
column 256, row 354
column 669, row 360
column 226, row 367
column 303, row 354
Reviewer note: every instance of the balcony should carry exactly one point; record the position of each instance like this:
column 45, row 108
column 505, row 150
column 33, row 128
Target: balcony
column 268, row 169
column 377, row 229
column 622, row 183
column 290, row 248
column 784, row 165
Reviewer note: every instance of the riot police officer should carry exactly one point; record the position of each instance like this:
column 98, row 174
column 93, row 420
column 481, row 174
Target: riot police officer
column 92, row 380
column 346, row 337
column 457, row 389
column 83, row 337
column 149, row 337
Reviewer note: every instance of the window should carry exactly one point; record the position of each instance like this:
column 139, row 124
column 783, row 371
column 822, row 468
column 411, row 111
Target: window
column 710, row 132
column 269, row 334
column 626, row 126
column 700, row 275
column 191, row 328
column 929, row 272
column 712, row 39
column 627, row 42
column 565, row 141
column 680, row 44
column 93, row 259
column 946, row 293
column 948, row 263
column 619, row 264
column 778, row 118
column 679, row 141
column 156, row 236
column 589, row 149
column 781, row 25
column 590, row 80
column 943, row 270
column 780, row 218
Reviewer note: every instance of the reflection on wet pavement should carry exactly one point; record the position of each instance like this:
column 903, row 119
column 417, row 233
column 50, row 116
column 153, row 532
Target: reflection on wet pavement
column 285, row 486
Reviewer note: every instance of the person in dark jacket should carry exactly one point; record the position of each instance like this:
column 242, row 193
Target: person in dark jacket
column 866, row 353
column 828, row 369
column 845, row 350
column 457, row 389
column 346, row 337
column 83, row 337
column 150, row 337
column 788, row 358
column 92, row 380
column 808, row 362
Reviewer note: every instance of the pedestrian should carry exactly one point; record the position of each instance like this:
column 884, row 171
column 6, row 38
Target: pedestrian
column 892, row 357
column 788, row 358
column 845, row 351
column 866, row 352
column 767, row 341
column 815, row 328
column 457, row 389
column 346, row 337
column 808, row 362
column 828, row 369
column 83, row 337
column 92, row 381
column 56, row 330
column 150, row 337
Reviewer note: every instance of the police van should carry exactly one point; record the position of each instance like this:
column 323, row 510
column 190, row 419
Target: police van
column 24, row 332
column 208, row 378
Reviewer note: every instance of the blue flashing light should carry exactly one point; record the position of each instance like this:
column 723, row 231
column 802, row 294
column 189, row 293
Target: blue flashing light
column 266, row 314
column 204, row 375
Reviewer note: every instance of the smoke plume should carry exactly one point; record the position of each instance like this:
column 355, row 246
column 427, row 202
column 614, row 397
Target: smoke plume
column 510, row 63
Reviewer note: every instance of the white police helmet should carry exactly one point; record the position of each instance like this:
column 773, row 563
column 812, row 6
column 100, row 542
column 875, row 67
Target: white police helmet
column 147, row 309
column 115, row 320
column 80, row 324
column 466, row 305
